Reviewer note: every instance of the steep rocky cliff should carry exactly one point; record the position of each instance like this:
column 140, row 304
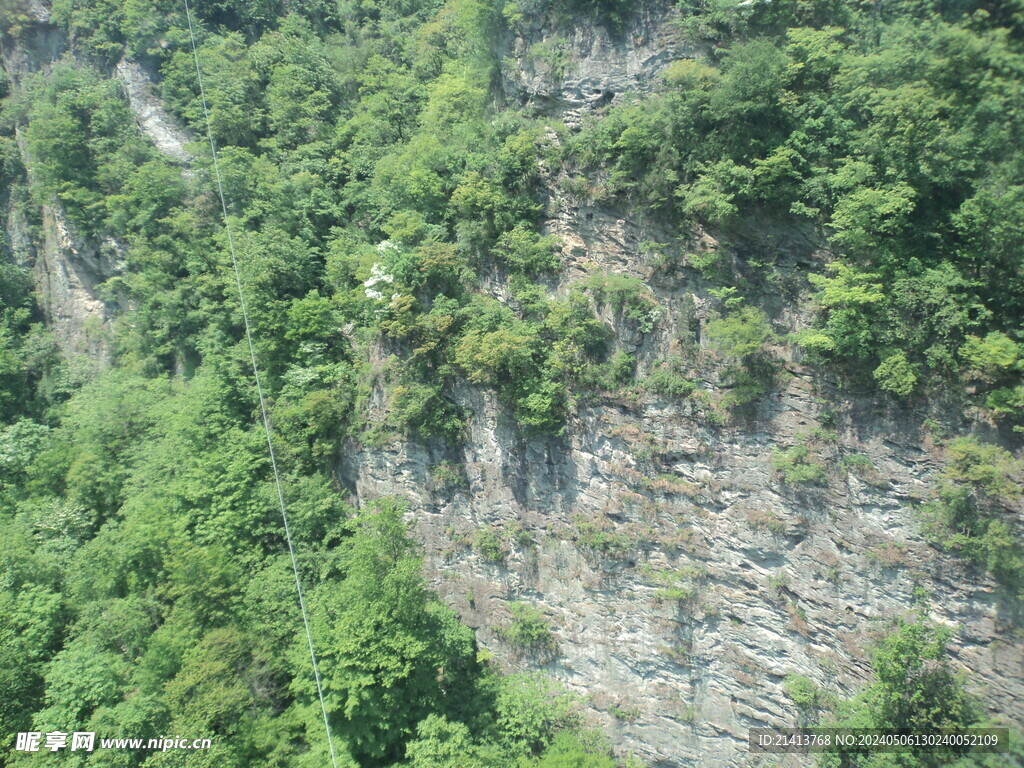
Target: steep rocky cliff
column 642, row 493
column 68, row 272
column 68, row 267
column 161, row 128
column 683, row 578
column 568, row 71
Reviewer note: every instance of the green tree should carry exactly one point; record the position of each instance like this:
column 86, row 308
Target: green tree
column 391, row 652
column 915, row 688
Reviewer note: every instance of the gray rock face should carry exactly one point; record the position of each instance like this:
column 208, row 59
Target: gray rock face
column 39, row 10
column 19, row 238
column 569, row 72
column 68, row 272
column 681, row 578
column 39, row 44
column 637, row 498
column 162, row 129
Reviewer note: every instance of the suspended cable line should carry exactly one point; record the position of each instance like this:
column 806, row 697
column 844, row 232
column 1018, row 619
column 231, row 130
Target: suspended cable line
column 259, row 389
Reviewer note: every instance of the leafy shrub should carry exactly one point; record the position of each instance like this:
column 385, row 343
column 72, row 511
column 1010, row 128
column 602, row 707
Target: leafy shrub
column 797, row 466
column 990, row 358
column 667, row 379
column 501, row 357
column 529, row 629
column 857, row 462
column 620, row 368
column 968, row 509
column 743, row 336
column 1007, row 402
column 526, row 251
column 628, row 296
column 680, row 586
column 993, row 360
column 778, row 583
column 915, row 688
column 766, row 519
column 708, row 263
column 803, row 692
column 422, row 409
column 849, row 301
column 600, row 540
column 612, row 13
column 896, row 375
column 488, row 545
column 712, row 197
column 447, row 476
column 532, row 709
column 569, row 750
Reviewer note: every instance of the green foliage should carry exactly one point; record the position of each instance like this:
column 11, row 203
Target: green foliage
column 914, row 689
column 668, row 379
column 441, row 743
column 17, row 17
column 797, row 466
column 742, row 336
column 448, row 476
column 887, row 129
column 532, row 361
column 526, row 251
column 86, row 153
column 628, row 297
column 31, row 369
column 600, row 539
column 706, row 262
column 379, row 201
column 512, row 359
column 529, row 630
column 968, row 512
column 568, row 750
column 383, row 637
column 848, row 301
column 803, row 692
column 992, row 359
column 680, row 586
column 503, row 355
column 422, row 409
column 612, row 13
column 895, row 374
column 488, row 545
column 531, row 710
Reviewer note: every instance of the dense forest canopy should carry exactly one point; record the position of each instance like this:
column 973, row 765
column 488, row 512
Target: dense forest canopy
column 374, row 175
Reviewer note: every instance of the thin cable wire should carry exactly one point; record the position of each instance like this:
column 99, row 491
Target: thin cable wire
column 259, row 389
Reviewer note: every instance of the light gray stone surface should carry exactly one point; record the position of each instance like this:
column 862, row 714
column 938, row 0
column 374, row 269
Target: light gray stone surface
column 743, row 633
column 68, row 273
column 162, row 129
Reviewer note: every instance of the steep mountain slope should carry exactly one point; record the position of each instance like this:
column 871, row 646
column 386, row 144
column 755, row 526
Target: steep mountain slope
column 629, row 458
